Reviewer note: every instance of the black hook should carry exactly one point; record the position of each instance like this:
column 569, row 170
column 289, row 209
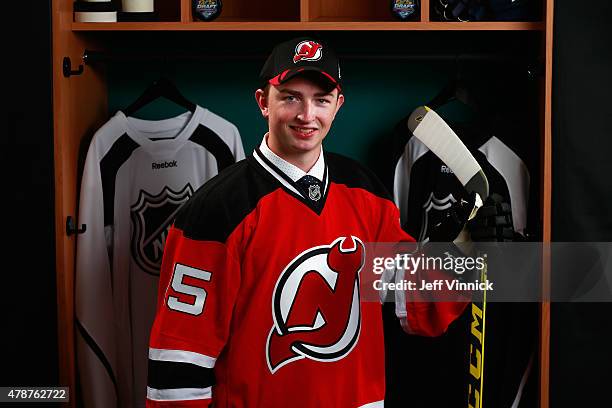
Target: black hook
column 67, row 68
column 72, row 229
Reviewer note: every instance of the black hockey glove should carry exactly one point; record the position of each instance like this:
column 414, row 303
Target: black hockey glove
column 493, row 222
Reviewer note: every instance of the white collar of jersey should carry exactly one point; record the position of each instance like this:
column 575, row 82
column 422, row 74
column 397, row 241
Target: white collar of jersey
column 166, row 136
column 272, row 164
column 293, row 172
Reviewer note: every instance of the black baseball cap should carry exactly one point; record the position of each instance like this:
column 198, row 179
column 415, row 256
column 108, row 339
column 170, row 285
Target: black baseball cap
column 301, row 56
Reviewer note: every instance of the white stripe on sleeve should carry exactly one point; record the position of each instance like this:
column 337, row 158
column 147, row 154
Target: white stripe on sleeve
column 181, row 356
column 179, row 394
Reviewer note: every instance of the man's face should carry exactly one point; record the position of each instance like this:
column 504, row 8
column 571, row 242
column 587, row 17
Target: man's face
column 300, row 113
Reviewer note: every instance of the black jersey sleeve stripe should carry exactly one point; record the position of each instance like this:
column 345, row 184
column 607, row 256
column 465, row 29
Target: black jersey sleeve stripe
column 212, row 142
column 172, row 374
column 98, row 352
column 109, row 166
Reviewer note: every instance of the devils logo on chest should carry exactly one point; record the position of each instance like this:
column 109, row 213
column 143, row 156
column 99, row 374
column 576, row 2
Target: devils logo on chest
column 316, row 305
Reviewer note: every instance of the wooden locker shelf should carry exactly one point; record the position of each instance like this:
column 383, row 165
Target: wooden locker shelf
column 321, row 23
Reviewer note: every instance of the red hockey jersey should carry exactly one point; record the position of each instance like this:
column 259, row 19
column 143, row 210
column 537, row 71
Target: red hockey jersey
column 259, row 300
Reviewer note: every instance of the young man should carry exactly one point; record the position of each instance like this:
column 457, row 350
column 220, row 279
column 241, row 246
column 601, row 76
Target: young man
column 259, row 301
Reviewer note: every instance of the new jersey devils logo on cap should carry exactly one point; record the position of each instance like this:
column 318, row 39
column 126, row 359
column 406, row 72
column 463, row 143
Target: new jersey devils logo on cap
column 308, row 51
column 315, row 305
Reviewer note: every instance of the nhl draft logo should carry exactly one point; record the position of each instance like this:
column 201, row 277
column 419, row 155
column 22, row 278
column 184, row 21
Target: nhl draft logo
column 308, row 51
column 433, row 211
column 315, row 305
column 403, row 8
column 151, row 217
column 314, row 192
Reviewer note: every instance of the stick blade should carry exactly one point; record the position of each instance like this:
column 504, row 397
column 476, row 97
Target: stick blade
column 427, row 126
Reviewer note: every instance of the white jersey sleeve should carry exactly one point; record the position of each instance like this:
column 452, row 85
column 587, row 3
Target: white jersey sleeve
column 95, row 333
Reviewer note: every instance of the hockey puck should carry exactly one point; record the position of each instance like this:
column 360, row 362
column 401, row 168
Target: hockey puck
column 405, row 10
column 206, row 10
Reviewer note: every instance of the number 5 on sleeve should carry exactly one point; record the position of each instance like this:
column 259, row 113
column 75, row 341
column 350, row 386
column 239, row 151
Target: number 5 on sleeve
column 197, row 307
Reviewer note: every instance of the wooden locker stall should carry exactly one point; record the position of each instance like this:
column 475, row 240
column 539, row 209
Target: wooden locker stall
column 80, row 103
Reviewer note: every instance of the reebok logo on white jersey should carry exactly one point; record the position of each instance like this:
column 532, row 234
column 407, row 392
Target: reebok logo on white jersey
column 445, row 169
column 164, row 165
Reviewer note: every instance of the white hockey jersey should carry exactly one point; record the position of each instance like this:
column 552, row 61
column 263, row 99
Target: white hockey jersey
column 137, row 174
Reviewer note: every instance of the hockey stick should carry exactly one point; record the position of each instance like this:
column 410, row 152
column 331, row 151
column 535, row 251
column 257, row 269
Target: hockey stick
column 427, row 126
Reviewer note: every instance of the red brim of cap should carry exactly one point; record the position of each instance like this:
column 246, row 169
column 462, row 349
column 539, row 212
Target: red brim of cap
column 290, row 73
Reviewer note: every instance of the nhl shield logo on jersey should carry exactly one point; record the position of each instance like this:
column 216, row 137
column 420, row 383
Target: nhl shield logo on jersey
column 151, row 216
column 433, row 211
column 314, row 192
column 316, row 305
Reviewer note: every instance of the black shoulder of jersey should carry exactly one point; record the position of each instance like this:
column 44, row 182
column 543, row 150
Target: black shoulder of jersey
column 221, row 204
column 353, row 174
